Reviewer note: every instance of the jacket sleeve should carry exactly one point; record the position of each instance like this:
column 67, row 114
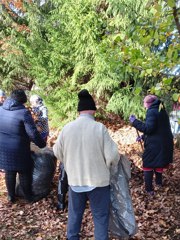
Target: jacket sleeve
column 150, row 124
column 44, row 111
column 32, row 131
column 111, row 152
column 58, row 147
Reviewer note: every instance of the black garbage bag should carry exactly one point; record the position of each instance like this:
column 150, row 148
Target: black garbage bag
column 43, row 170
column 122, row 221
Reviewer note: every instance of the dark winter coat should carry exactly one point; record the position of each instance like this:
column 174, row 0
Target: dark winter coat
column 158, row 138
column 17, row 130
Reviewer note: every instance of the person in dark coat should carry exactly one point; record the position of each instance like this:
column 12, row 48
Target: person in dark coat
column 17, row 130
column 158, row 141
column 2, row 97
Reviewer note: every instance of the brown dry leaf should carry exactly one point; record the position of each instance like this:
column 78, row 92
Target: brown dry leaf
column 38, row 238
column 157, row 218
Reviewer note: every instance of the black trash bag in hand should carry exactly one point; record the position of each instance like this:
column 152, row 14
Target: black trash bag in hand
column 122, row 221
column 43, row 170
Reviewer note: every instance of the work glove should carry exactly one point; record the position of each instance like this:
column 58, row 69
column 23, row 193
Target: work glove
column 139, row 138
column 132, row 118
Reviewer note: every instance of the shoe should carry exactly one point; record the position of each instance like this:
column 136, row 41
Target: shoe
column 61, row 207
column 151, row 193
column 29, row 199
column 61, row 202
column 11, row 199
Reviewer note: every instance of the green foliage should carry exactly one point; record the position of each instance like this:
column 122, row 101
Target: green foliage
column 116, row 49
column 64, row 109
column 125, row 103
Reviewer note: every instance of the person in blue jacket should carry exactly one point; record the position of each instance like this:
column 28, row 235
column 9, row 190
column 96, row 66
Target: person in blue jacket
column 158, row 141
column 2, row 97
column 17, row 130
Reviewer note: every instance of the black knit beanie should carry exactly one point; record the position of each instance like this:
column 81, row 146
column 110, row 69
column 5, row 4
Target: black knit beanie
column 86, row 101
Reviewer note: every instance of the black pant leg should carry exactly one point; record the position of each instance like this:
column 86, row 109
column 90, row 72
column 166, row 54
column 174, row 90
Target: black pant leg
column 158, row 178
column 62, row 188
column 25, row 179
column 10, row 180
column 148, row 178
column 63, row 182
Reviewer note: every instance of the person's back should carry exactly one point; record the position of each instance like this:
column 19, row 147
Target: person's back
column 87, row 151
column 84, row 143
column 17, row 129
column 157, row 110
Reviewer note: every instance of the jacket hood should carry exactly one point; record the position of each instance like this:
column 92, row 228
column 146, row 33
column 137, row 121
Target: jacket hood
column 156, row 104
column 11, row 105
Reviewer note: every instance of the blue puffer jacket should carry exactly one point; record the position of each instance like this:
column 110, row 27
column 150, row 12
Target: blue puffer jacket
column 17, row 130
column 158, row 138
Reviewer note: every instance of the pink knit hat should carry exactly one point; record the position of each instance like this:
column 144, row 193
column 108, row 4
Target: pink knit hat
column 148, row 100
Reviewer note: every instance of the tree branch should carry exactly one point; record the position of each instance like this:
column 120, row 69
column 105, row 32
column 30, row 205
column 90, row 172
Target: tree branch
column 176, row 19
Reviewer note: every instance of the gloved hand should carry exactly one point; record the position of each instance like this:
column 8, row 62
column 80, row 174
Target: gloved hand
column 132, row 118
column 139, row 139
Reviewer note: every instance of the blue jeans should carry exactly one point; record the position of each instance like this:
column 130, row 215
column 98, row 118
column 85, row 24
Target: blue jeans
column 99, row 199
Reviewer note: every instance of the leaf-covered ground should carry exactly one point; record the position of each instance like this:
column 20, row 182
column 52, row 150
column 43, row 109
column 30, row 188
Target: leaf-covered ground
column 157, row 217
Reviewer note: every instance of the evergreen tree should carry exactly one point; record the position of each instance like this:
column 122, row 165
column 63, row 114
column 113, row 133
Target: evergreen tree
column 119, row 50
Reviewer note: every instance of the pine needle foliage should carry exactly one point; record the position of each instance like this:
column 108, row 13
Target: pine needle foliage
column 118, row 49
